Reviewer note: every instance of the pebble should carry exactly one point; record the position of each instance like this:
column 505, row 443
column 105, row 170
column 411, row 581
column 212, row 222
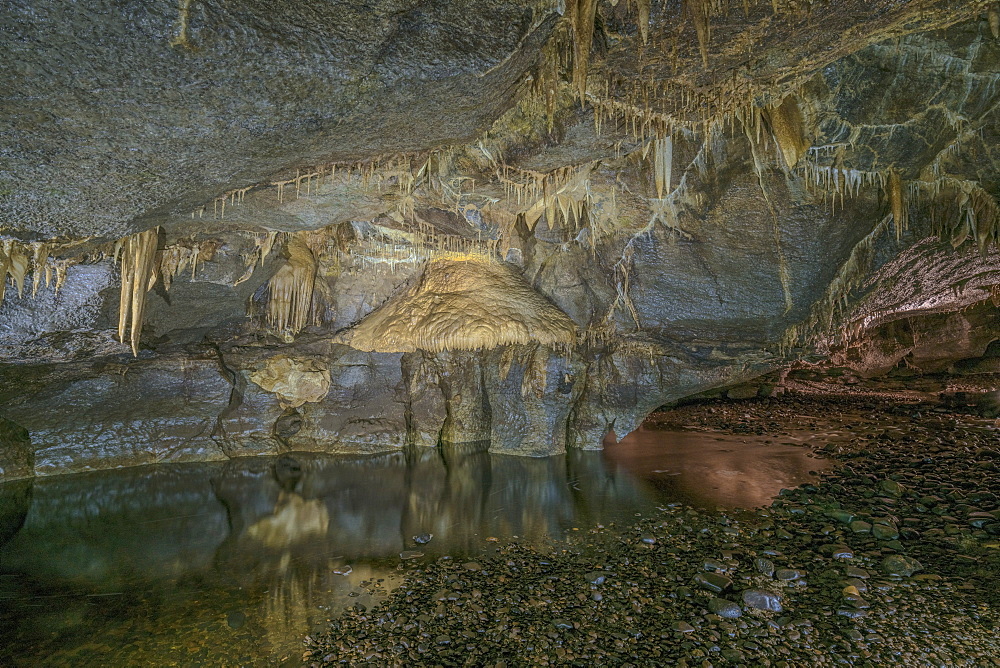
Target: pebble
column 837, row 551
column 762, row 599
column 724, row 608
column 885, row 532
column 891, row 487
column 236, row 619
column 713, row 582
column 860, row 526
column 840, row 515
column 789, row 574
column 900, row 565
column 764, row 566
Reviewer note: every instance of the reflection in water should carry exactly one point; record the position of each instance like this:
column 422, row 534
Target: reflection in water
column 293, row 520
column 713, row 470
column 232, row 563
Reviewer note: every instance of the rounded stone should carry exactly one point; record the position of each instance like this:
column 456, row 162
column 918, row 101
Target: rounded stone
column 761, row 599
column 900, row 565
column 725, row 608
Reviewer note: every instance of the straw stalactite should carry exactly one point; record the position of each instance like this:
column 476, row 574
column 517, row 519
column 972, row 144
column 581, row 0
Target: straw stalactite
column 290, row 290
column 463, row 303
column 897, row 203
column 138, row 255
column 663, row 158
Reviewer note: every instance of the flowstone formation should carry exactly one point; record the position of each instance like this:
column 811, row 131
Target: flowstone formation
column 463, row 304
column 351, row 229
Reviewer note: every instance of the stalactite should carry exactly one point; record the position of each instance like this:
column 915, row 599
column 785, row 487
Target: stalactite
column 138, row 270
column 788, row 128
column 897, row 203
column 642, row 8
column 663, row 165
column 5, row 251
column 993, row 16
column 290, row 290
column 263, row 243
column 39, row 260
column 699, row 12
column 177, row 257
column 18, row 259
column 582, row 14
column 17, row 265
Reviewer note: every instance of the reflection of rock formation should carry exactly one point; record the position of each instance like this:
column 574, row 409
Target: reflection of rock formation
column 110, row 529
column 15, row 498
column 710, row 470
column 293, row 520
column 284, row 541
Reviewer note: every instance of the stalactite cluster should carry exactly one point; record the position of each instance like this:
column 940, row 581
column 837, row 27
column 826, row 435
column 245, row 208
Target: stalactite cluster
column 18, row 259
column 176, row 258
column 290, row 290
column 138, row 275
column 649, row 109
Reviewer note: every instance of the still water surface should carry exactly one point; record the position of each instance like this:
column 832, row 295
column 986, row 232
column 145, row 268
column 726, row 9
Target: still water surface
column 233, row 563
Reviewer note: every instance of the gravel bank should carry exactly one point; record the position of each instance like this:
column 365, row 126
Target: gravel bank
column 890, row 560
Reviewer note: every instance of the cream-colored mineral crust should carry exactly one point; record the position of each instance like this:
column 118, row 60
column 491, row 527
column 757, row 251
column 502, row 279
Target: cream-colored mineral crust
column 294, row 381
column 463, row 303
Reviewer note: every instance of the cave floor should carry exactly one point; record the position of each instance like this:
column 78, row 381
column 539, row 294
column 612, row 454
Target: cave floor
column 883, row 548
column 891, row 558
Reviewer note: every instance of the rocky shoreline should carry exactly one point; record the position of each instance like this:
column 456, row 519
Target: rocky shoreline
column 891, row 559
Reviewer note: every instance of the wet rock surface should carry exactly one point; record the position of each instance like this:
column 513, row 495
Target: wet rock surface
column 801, row 587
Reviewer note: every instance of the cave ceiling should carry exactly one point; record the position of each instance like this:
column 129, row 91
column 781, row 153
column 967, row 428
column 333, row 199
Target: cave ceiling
column 120, row 116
